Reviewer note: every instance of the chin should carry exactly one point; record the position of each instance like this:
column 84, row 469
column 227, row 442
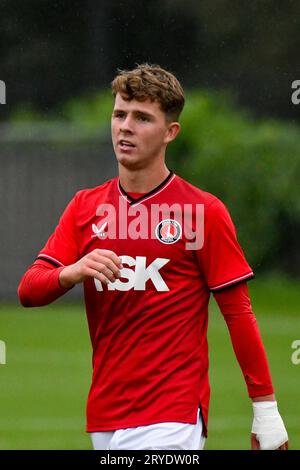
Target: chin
column 130, row 163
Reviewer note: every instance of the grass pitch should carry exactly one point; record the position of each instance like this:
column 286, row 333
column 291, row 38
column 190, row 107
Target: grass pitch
column 44, row 384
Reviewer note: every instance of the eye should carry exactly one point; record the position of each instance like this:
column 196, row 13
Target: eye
column 143, row 118
column 119, row 115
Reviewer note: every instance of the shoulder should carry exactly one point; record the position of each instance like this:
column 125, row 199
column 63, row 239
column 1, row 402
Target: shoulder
column 214, row 210
column 198, row 195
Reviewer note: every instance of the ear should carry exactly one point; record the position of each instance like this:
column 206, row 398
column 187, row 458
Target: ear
column 172, row 132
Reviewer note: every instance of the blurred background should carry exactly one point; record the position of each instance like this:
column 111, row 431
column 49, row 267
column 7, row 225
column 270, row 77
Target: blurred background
column 240, row 140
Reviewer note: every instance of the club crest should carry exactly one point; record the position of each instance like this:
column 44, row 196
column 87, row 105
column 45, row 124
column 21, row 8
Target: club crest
column 168, row 231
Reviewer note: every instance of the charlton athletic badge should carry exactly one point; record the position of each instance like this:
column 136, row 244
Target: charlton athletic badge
column 168, row 231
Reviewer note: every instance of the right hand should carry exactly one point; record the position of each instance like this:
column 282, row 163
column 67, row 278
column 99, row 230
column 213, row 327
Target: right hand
column 103, row 265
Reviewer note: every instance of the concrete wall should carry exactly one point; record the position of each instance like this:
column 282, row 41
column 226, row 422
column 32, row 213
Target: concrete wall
column 37, row 180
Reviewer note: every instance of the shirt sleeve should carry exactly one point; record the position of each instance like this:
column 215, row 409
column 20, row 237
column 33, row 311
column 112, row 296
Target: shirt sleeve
column 221, row 258
column 247, row 343
column 61, row 248
column 40, row 285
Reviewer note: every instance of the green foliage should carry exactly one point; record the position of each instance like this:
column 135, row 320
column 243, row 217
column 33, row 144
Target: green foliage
column 252, row 165
column 25, row 113
column 78, row 120
column 92, row 111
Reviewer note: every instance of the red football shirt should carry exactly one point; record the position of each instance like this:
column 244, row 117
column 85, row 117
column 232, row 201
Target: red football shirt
column 148, row 329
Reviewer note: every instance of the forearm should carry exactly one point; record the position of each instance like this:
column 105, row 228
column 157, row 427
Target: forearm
column 44, row 283
column 235, row 306
column 270, row 397
column 40, row 285
column 268, row 430
column 250, row 353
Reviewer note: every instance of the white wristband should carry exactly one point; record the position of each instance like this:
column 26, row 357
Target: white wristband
column 268, row 425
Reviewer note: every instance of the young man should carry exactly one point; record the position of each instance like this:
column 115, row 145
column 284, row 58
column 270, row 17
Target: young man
column 150, row 248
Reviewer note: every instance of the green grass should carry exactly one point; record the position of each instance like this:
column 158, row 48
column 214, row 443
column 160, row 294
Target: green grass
column 45, row 381
column 44, row 385
column 275, row 302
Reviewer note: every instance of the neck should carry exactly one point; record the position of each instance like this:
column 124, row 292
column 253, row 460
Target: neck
column 142, row 180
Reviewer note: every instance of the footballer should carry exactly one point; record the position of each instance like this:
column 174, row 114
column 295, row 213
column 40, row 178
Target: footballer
column 150, row 248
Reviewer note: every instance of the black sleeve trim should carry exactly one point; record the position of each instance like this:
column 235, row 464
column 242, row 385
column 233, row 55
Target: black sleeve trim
column 216, row 290
column 49, row 261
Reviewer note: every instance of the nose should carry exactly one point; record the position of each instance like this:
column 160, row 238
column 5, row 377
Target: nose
column 127, row 124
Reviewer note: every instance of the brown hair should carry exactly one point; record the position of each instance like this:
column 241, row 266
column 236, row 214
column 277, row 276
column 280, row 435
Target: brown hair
column 149, row 81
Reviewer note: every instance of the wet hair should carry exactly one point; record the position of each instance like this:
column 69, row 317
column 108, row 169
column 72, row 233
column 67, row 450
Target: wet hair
column 149, row 81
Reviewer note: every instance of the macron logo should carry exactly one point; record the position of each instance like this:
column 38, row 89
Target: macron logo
column 99, row 232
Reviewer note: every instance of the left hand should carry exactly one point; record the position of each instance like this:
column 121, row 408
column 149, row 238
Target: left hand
column 268, row 430
column 256, row 446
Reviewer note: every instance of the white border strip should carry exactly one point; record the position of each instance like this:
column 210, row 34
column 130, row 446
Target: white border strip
column 50, row 257
column 123, row 195
column 232, row 282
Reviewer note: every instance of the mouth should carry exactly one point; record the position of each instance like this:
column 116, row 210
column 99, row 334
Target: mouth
column 126, row 144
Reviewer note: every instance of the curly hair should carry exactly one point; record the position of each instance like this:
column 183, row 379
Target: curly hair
column 150, row 81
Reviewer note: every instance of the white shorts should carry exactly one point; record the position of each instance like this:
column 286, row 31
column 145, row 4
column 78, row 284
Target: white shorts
column 160, row 436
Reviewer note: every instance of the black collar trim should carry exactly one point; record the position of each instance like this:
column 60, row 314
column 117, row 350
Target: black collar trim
column 150, row 193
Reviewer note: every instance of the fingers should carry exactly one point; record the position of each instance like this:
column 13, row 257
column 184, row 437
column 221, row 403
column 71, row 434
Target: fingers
column 116, row 260
column 287, row 445
column 100, row 276
column 108, row 258
column 110, row 273
column 101, row 272
column 254, row 442
column 105, row 264
column 284, row 446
